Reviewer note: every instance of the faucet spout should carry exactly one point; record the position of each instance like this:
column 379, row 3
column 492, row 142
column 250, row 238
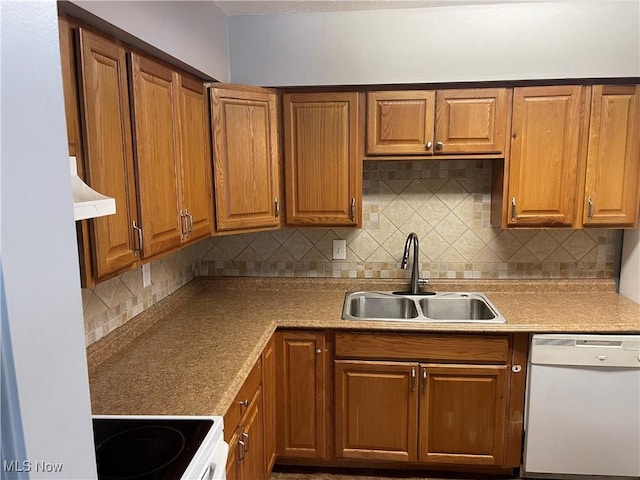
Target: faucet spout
column 416, row 281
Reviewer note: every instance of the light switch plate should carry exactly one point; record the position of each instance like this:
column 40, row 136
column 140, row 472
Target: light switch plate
column 339, row 249
column 146, row 275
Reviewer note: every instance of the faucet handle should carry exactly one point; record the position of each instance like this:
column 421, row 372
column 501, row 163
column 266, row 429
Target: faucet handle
column 423, row 281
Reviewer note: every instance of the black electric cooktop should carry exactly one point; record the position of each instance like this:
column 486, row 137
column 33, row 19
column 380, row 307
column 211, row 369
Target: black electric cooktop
column 148, row 448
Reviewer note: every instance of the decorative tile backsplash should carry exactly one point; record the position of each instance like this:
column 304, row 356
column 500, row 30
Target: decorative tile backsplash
column 447, row 203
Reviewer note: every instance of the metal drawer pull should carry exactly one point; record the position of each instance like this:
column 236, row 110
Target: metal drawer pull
column 245, row 435
column 244, row 403
column 243, row 452
column 183, row 226
column 590, row 214
column 138, row 230
column 413, row 379
column 429, row 145
column 277, row 208
column 424, row 380
column 513, row 209
column 353, row 208
column 439, row 145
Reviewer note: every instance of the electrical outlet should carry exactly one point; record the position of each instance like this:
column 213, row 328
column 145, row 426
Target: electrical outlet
column 339, row 249
column 146, row 275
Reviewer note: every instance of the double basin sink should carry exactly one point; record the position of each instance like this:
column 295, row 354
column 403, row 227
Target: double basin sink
column 443, row 307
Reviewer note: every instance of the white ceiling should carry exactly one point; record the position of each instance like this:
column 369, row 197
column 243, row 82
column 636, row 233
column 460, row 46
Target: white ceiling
column 273, row 7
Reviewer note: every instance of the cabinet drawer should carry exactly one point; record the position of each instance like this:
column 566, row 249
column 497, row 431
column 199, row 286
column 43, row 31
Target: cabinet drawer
column 241, row 402
column 426, row 348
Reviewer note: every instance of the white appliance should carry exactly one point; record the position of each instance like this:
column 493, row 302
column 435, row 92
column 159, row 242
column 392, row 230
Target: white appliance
column 160, row 446
column 583, row 406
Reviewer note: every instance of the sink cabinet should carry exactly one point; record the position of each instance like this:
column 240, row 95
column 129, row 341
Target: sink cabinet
column 432, row 399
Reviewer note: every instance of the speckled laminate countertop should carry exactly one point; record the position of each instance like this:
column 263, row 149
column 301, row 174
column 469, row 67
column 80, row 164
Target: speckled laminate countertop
column 190, row 354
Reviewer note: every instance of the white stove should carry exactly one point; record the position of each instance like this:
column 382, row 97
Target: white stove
column 150, row 447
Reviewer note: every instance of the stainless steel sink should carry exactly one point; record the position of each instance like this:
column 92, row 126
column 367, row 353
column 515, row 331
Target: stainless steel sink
column 473, row 307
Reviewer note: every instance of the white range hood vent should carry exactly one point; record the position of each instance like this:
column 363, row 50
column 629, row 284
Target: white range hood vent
column 87, row 203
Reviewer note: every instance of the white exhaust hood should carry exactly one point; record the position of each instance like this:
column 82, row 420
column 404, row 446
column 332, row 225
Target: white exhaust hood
column 87, row 203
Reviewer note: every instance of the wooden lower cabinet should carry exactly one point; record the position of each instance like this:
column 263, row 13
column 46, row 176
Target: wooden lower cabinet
column 301, row 395
column 443, row 404
column 376, row 410
column 462, row 414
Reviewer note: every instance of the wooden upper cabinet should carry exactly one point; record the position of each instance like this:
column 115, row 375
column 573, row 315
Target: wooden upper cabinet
column 611, row 194
column 246, row 159
column 376, row 410
column 400, row 122
column 547, row 145
column 471, row 121
column 195, row 158
column 463, row 412
column 443, row 122
column 323, row 162
column 108, row 154
column 154, row 110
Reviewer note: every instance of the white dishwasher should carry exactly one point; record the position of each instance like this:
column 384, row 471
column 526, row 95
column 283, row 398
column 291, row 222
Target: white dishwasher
column 583, row 406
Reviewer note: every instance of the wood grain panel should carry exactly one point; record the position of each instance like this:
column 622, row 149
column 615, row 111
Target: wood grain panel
column 247, row 182
column 613, row 162
column 471, row 120
column 323, row 168
column 195, row 157
column 270, row 408
column 400, row 122
column 463, row 414
column 251, row 465
column 545, row 157
column 433, row 347
column 108, row 152
column 301, row 394
column 376, row 410
column 156, row 154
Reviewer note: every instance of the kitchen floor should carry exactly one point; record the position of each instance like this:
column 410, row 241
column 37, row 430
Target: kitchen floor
column 294, row 473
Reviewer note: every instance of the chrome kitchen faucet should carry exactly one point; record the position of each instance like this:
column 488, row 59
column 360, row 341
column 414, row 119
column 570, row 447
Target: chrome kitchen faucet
column 416, row 281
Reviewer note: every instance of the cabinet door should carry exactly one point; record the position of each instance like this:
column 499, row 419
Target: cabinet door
column 302, row 360
column 545, row 155
column 613, row 159
column 376, row 410
column 156, row 154
column 251, row 463
column 462, row 416
column 400, row 122
column 471, row 121
column 247, row 182
column 108, row 153
column 232, row 458
column 269, row 394
column 323, row 168
column 195, row 158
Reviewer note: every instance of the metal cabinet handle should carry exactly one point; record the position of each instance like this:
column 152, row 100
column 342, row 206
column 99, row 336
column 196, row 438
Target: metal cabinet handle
column 138, row 230
column 245, row 435
column 590, row 213
column 243, row 452
column 413, row 379
column 190, row 224
column 277, row 208
column 318, row 351
column 244, row 403
column 429, row 145
column 439, row 145
column 353, row 208
column 183, row 227
column 513, row 209
column 424, row 380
